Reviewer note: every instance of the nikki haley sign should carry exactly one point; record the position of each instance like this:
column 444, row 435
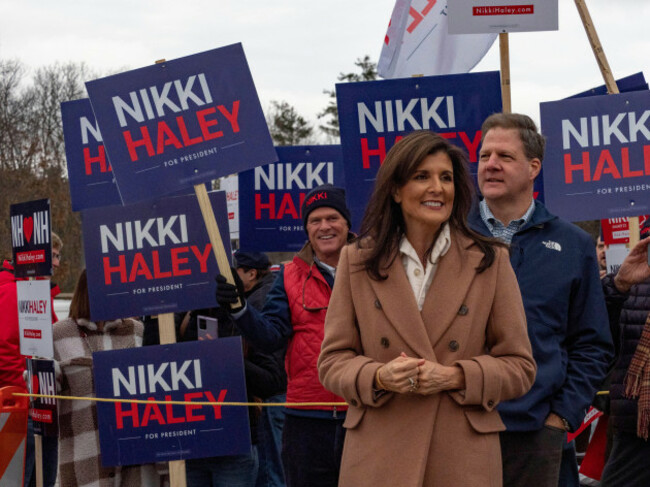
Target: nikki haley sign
column 181, row 122
column 151, row 258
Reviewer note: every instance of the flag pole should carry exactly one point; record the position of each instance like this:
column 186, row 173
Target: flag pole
column 504, row 49
column 596, row 46
column 610, row 83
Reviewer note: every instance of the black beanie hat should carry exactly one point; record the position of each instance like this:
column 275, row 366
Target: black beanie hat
column 254, row 260
column 325, row 195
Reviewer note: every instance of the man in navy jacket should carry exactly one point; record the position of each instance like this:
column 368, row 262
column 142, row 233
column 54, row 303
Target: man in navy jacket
column 557, row 270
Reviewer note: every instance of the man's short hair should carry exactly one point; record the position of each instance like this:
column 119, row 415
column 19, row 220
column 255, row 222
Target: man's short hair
column 57, row 243
column 531, row 139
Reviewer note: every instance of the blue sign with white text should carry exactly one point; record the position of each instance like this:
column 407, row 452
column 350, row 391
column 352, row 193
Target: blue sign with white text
column 373, row 115
column 270, row 197
column 181, row 122
column 205, row 371
column 151, row 258
column 597, row 162
column 91, row 179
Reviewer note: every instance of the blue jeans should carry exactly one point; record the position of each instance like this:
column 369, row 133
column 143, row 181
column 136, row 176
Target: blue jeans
column 228, row 471
column 269, row 437
column 50, row 458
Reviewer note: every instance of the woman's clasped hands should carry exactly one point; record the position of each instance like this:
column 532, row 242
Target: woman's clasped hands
column 406, row 375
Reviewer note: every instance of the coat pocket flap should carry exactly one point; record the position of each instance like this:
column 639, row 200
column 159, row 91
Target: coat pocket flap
column 484, row 421
column 353, row 417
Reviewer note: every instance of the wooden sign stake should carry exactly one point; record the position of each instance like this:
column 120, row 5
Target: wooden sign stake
column 504, row 49
column 610, row 83
column 38, row 459
column 213, row 232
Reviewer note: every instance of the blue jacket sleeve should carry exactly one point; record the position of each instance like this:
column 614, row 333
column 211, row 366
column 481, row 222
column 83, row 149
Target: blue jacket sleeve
column 588, row 342
column 269, row 329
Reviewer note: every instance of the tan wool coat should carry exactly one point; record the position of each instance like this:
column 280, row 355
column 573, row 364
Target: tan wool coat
column 474, row 321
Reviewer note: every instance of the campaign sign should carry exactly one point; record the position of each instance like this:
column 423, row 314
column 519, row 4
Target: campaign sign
column 271, row 196
column 617, row 230
column 614, row 256
column 634, row 82
column 230, row 185
column 373, row 115
column 203, row 371
column 151, row 258
column 182, row 122
column 35, row 317
column 91, row 179
column 498, row 16
column 31, row 228
column 597, row 162
column 43, row 410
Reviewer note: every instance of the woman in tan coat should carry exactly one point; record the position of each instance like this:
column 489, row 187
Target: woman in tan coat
column 425, row 333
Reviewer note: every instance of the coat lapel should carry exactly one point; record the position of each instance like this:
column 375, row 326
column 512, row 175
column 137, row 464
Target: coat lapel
column 398, row 304
column 454, row 275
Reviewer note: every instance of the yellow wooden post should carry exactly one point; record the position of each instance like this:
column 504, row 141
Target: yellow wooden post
column 504, row 49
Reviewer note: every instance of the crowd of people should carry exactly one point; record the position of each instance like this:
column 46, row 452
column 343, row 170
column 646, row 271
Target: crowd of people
column 455, row 341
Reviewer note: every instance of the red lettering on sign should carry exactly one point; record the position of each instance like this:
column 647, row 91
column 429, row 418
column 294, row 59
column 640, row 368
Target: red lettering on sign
column 142, row 265
column 100, row 159
column 165, row 415
column 178, row 135
column 607, row 164
column 367, row 153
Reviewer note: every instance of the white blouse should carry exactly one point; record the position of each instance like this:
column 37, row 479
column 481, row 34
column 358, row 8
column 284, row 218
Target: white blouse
column 420, row 277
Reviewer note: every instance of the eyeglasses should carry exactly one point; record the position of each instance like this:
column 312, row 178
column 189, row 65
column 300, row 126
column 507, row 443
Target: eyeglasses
column 304, row 304
column 56, row 255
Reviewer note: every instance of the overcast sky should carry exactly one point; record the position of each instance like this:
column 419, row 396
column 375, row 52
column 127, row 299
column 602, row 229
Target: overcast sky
column 296, row 49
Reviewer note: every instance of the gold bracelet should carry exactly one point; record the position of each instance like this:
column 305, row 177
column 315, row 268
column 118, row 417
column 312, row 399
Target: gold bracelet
column 378, row 383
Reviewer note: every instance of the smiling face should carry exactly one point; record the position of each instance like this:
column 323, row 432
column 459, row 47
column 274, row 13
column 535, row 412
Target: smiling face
column 328, row 232
column 427, row 198
column 505, row 174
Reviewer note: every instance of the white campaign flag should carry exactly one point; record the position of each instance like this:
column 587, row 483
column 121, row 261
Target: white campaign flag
column 417, row 42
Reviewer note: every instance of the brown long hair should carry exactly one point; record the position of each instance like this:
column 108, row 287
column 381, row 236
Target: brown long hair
column 383, row 221
column 80, row 304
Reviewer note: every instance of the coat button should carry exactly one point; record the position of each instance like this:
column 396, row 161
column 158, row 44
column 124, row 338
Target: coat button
column 463, row 310
column 453, row 346
column 353, row 402
column 377, row 304
column 490, row 403
column 416, row 272
column 384, row 342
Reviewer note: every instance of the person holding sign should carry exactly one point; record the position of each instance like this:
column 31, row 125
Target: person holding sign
column 294, row 314
column 557, row 270
column 253, row 268
column 75, row 340
column 425, row 334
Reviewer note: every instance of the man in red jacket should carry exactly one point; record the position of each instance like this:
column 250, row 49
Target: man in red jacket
column 294, row 314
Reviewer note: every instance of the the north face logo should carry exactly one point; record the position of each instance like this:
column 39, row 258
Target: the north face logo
column 550, row 244
column 317, row 197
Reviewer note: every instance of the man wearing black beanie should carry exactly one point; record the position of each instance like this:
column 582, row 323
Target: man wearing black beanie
column 294, row 314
